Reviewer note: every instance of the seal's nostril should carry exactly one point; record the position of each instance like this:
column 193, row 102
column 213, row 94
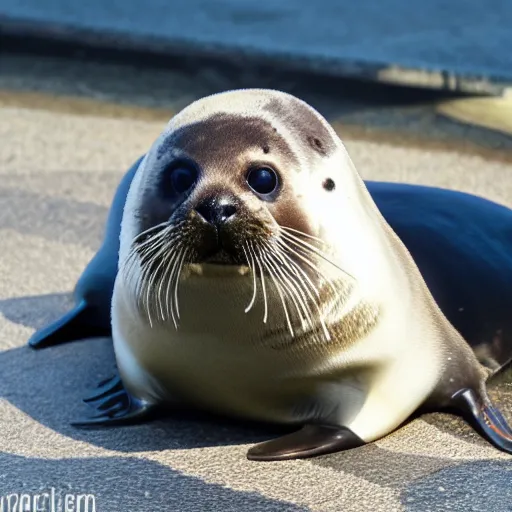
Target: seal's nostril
column 216, row 211
column 207, row 210
column 228, row 210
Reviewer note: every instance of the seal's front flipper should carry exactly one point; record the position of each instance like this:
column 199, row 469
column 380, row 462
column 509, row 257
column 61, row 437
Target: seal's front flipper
column 310, row 441
column 78, row 324
column 115, row 406
column 487, row 418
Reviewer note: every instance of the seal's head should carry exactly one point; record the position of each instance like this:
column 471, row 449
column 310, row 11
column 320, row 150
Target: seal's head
column 250, row 179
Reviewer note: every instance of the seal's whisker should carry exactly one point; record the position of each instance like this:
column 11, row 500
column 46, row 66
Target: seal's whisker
column 146, row 252
column 290, row 263
column 163, row 227
column 158, row 250
column 285, row 307
column 302, row 292
column 285, row 286
column 167, row 278
column 251, row 265
column 317, row 239
column 291, row 266
column 149, row 283
column 318, row 310
column 290, row 286
column 158, row 227
column 167, row 255
column 145, row 240
column 152, row 243
column 281, row 295
column 149, row 252
column 297, row 291
column 301, row 242
column 174, row 315
column 252, row 249
column 131, row 257
column 308, row 262
column 308, row 247
column 177, row 282
column 304, row 244
column 158, row 253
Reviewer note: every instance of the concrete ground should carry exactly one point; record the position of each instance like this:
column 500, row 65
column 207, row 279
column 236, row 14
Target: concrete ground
column 68, row 131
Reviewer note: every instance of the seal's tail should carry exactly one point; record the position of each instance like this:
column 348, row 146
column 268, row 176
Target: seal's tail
column 79, row 323
column 485, row 417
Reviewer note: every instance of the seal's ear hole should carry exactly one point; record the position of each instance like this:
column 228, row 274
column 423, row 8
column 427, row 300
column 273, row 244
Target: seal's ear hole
column 316, row 144
column 266, row 149
column 329, row 184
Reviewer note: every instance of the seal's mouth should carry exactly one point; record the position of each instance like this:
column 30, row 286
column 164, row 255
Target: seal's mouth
column 221, row 257
column 219, row 249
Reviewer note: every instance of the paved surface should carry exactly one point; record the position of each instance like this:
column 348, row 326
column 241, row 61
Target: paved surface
column 59, row 166
column 461, row 44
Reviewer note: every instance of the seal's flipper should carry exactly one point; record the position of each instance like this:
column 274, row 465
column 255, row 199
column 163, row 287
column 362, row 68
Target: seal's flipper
column 309, row 441
column 115, row 406
column 90, row 318
column 105, row 388
column 77, row 324
column 487, row 418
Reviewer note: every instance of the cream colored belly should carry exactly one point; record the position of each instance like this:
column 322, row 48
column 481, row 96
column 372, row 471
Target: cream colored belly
column 242, row 380
column 229, row 362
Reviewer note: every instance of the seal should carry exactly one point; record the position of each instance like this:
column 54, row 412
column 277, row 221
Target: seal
column 250, row 195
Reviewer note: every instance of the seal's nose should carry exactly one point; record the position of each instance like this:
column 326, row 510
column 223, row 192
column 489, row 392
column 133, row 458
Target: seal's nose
column 216, row 210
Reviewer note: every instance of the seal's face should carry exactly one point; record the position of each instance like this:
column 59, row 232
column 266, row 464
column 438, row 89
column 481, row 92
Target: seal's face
column 233, row 188
column 225, row 181
column 219, row 181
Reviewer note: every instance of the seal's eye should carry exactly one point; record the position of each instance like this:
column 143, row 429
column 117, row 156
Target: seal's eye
column 183, row 178
column 262, row 180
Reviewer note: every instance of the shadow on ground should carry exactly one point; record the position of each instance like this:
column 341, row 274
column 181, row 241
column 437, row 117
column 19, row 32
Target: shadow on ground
column 481, row 485
column 127, row 483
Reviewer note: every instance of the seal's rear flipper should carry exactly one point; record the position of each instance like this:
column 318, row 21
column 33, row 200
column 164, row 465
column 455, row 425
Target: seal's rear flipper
column 115, row 406
column 309, row 441
column 488, row 420
column 79, row 323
